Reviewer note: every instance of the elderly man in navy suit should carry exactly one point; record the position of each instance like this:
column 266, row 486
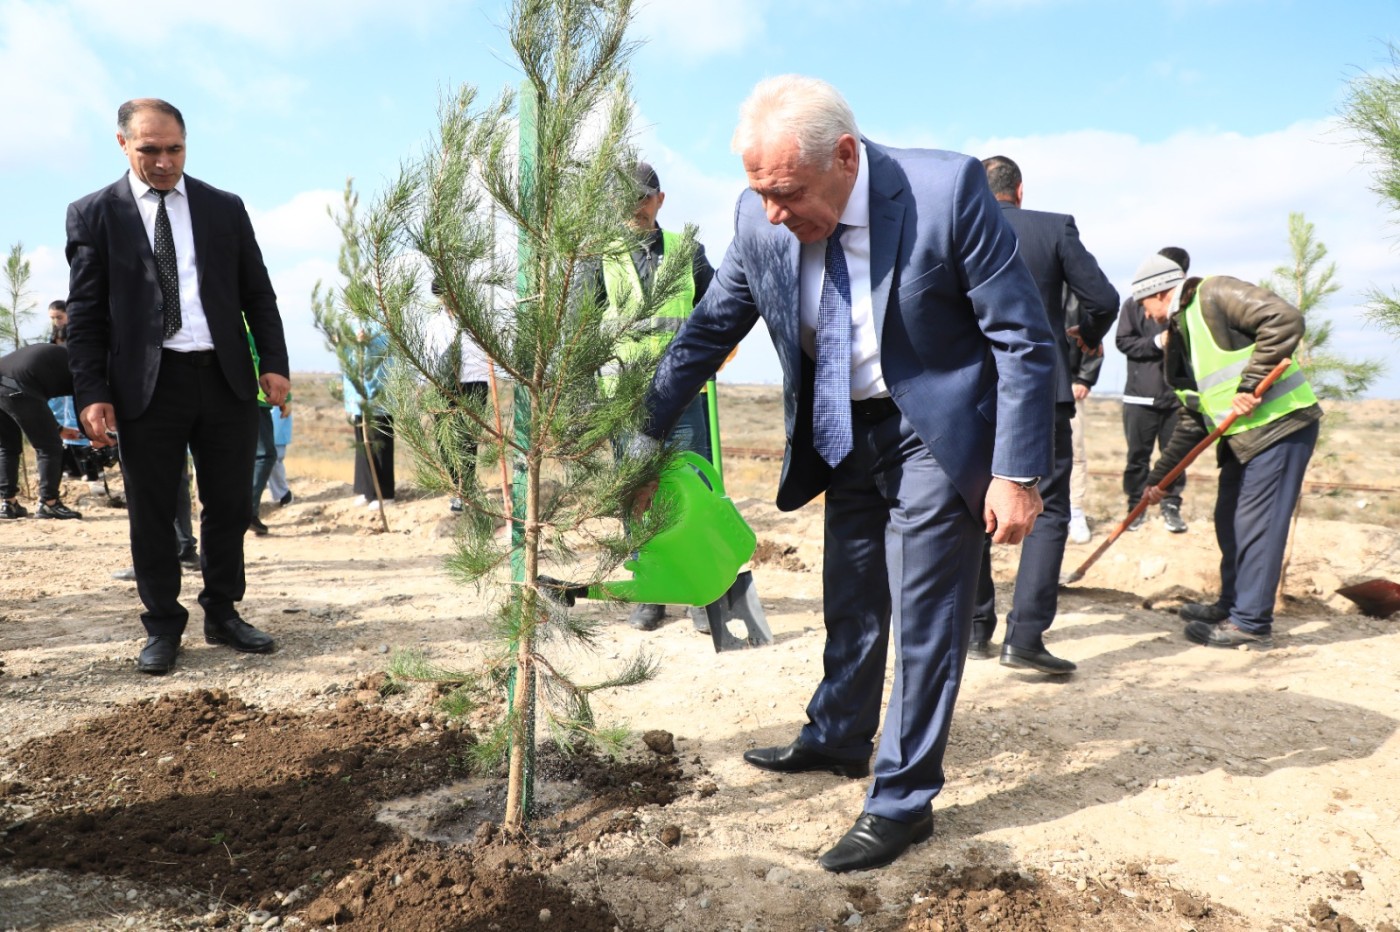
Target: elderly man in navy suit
column 918, row 397
column 1049, row 244
column 163, row 272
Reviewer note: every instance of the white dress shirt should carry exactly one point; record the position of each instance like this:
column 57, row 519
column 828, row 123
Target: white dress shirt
column 438, row 336
column 867, row 380
column 193, row 334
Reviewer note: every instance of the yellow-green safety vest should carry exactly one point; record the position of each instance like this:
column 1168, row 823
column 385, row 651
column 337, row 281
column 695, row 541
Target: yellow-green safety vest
column 655, row 334
column 1218, row 372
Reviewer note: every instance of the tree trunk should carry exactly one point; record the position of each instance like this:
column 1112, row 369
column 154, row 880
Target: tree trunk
column 522, row 747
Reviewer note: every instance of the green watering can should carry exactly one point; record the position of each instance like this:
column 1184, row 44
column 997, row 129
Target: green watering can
column 695, row 559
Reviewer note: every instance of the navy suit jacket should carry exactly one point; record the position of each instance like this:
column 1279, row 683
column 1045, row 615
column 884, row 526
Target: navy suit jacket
column 965, row 349
column 1051, row 248
column 114, row 322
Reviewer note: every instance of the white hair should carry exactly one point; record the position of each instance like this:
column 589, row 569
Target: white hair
column 808, row 110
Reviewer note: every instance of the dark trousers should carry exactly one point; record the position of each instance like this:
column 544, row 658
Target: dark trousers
column 381, row 442
column 1253, row 515
column 1144, row 428
column 265, row 456
column 1037, row 595
column 692, row 430
column 901, row 555
column 474, row 394
column 24, row 415
column 192, row 407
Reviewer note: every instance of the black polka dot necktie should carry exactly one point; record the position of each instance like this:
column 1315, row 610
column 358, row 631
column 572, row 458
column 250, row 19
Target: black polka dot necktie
column 166, row 270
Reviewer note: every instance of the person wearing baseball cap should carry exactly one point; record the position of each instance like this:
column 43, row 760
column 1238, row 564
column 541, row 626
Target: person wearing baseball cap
column 623, row 284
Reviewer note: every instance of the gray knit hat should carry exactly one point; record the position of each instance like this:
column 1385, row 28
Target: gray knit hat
column 1155, row 275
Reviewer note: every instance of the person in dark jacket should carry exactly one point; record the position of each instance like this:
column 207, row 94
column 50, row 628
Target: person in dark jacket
column 1224, row 336
column 29, row 377
column 1150, row 408
column 1049, row 245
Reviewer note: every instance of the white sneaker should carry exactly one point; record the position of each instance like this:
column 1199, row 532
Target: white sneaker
column 1079, row 530
column 361, row 501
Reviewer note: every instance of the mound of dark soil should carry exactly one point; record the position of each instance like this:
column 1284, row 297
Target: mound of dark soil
column 278, row 811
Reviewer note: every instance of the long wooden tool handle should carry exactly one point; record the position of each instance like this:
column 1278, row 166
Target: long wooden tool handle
column 1177, row 470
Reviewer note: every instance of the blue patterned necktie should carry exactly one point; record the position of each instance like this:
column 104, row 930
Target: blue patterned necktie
column 167, row 272
column 831, row 403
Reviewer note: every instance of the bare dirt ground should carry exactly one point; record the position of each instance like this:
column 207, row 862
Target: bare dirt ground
column 1163, row 787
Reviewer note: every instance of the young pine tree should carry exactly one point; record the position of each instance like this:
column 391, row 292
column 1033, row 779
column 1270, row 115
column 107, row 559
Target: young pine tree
column 14, row 315
column 1306, row 283
column 351, row 335
column 1372, row 113
column 510, row 212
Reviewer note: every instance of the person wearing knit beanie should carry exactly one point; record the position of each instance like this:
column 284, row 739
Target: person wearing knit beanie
column 1156, row 275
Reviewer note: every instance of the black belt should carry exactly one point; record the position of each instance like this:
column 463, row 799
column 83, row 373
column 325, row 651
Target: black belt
column 874, row 410
column 201, row 359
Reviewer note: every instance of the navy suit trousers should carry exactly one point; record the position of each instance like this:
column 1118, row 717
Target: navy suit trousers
column 1253, row 514
column 901, row 555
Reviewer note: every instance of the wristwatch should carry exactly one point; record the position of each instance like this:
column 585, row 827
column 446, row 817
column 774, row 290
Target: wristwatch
column 1027, row 483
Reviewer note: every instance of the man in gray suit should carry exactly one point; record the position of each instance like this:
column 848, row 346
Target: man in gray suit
column 918, row 369
column 1050, row 246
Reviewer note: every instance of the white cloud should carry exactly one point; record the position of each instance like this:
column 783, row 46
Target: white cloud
column 697, row 29
column 299, row 226
column 1225, row 197
column 305, row 345
column 56, row 88
column 273, row 24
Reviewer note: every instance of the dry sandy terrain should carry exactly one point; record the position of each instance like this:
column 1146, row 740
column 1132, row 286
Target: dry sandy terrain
column 1169, row 786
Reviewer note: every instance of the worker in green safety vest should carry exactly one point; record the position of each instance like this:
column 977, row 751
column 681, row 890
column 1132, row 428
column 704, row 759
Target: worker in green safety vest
column 1223, row 338
column 623, row 279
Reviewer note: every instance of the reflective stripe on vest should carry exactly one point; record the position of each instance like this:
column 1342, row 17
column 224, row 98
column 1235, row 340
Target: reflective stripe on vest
column 1218, row 373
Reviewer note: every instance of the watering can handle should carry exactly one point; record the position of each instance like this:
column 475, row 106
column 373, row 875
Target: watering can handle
column 704, row 467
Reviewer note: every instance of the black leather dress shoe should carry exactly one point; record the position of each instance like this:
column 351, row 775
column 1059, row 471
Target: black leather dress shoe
column 1208, row 612
column 158, row 656
column 979, row 650
column 238, row 634
column 1041, row 660
column 875, row 841
column 798, row 759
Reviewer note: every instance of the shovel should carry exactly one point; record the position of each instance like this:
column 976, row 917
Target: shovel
column 1379, row 598
column 1176, row 470
column 741, row 599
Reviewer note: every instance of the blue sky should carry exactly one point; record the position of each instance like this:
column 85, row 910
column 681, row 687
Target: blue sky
column 1198, row 123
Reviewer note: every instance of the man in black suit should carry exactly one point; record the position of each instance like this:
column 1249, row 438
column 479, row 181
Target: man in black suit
column 1049, row 245
column 163, row 271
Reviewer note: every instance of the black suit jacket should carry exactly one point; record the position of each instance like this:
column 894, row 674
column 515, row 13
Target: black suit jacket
column 114, row 319
column 1049, row 245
